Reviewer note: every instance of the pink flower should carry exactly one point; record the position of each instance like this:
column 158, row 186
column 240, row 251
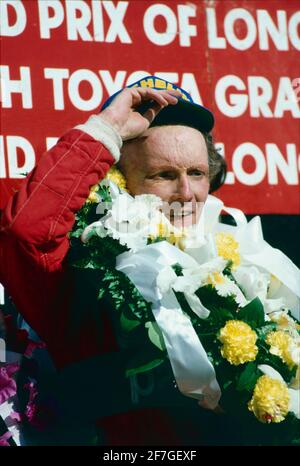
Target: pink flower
column 32, row 345
column 4, row 438
column 8, row 386
column 39, row 415
column 13, row 418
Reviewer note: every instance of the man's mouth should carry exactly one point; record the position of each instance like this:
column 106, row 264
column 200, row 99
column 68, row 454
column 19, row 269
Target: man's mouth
column 182, row 214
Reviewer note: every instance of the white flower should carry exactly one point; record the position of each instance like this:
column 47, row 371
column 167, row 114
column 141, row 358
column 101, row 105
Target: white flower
column 274, row 285
column 138, row 210
column 271, row 305
column 285, row 322
column 295, row 402
column 295, row 382
column 256, row 283
column 193, row 278
column 281, row 291
column 167, row 279
column 226, row 287
column 295, row 351
column 130, row 220
column 268, row 370
column 210, row 273
column 95, row 228
column 252, row 281
column 194, row 239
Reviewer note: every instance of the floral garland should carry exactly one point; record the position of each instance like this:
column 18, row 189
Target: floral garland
column 240, row 312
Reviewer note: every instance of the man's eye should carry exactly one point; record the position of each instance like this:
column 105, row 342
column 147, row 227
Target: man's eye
column 196, row 173
column 166, row 175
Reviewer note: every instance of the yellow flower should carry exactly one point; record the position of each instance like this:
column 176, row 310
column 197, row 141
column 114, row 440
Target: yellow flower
column 215, row 278
column 113, row 175
column 93, row 197
column 163, row 230
column 281, row 344
column 94, row 188
column 270, row 400
column 238, row 342
column 284, row 321
column 228, row 248
column 116, row 177
column 176, row 238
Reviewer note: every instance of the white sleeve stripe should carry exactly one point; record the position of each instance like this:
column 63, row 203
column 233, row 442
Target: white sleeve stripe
column 102, row 131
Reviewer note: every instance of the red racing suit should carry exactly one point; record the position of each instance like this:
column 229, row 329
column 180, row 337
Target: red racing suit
column 34, row 242
column 33, row 248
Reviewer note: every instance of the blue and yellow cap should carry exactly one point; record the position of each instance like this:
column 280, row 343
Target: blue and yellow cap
column 185, row 112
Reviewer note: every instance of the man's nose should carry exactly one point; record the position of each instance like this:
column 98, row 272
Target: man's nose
column 184, row 190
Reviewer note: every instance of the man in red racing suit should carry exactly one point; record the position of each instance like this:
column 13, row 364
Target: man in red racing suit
column 33, row 247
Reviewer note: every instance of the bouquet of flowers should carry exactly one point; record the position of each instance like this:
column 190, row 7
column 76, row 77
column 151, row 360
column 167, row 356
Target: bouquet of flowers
column 216, row 300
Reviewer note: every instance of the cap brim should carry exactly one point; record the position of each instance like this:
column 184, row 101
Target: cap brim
column 186, row 113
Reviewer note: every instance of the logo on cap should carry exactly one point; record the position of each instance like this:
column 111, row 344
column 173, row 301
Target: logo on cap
column 160, row 84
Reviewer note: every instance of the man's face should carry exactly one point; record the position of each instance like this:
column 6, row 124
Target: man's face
column 171, row 162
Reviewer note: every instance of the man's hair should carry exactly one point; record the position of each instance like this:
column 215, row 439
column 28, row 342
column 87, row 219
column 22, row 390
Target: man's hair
column 216, row 163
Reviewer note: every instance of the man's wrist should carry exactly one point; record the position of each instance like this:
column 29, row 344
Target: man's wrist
column 100, row 129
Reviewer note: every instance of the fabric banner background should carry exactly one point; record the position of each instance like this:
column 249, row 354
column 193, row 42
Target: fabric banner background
column 61, row 59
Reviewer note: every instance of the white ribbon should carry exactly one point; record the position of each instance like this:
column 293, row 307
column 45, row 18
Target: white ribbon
column 255, row 250
column 194, row 373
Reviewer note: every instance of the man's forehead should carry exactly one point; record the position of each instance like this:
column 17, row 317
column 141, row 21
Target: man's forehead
column 162, row 146
column 171, row 136
column 173, row 146
column 162, row 138
column 170, row 131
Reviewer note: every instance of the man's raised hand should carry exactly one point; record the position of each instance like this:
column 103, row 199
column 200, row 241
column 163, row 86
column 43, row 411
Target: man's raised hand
column 122, row 113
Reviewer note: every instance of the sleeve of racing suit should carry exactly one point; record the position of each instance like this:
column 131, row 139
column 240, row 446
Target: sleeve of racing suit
column 36, row 220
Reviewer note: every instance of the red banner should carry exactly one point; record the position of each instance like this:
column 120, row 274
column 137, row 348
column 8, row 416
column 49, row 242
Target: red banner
column 60, row 60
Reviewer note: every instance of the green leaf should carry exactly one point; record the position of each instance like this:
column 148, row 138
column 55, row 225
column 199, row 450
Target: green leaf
column 146, row 367
column 267, row 328
column 212, row 301
column 248, row 378
column 227, row 384
column 101, row 293
column 177, row 269
column 220, row 316
column 128, row 324
column 155, row 335
column 253, row 313
column 145, row 356
column 76, row 233
column 265, row 357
